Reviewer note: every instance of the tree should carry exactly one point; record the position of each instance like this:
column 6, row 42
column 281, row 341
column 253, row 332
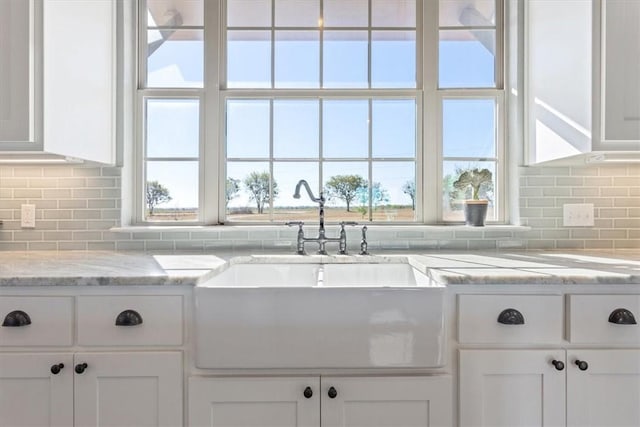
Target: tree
column 257, row 184
column 409, row 188
column 232, row 189
column 344, row 187
column 156, row 195
column 378, row 196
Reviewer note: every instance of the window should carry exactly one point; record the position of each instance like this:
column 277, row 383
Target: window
column 335, row 92
column 471, row 101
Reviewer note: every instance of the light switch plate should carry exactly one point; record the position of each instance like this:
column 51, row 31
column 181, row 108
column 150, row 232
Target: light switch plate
column 28, row 216
column 578, row 215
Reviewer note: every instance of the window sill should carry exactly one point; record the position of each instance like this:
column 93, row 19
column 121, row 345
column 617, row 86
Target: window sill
column 372, row 228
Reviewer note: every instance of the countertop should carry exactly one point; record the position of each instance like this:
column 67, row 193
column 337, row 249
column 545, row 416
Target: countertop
column 70, row 268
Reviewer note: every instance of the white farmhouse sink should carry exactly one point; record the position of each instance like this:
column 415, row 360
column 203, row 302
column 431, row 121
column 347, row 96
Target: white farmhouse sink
column 319, row 315
column 399, row 275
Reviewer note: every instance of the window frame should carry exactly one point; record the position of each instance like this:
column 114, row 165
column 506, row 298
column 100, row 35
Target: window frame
column 213, row 95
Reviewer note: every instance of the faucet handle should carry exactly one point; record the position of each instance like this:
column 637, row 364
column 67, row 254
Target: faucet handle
column 364, row 246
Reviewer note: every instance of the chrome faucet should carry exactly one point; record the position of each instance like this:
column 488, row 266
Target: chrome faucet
column 321, row 239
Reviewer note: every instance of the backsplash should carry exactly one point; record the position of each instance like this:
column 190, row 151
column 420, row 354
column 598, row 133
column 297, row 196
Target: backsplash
column 77, row 206
column 614, row 190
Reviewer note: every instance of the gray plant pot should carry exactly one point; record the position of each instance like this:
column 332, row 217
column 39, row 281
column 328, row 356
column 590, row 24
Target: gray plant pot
column 475, row 212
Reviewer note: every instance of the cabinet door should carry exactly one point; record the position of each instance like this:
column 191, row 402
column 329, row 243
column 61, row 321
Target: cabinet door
column 511, row 388
column 607, row 393
column 558, row 85
column 31, row 394
column 16, row 71
column 387, row 401
column 128, row 389
column 254, row 402
column 79, row 84
column 620, row 74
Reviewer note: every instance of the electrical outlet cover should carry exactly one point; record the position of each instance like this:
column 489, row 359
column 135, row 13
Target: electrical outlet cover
column 578, row 215
column 28, row 216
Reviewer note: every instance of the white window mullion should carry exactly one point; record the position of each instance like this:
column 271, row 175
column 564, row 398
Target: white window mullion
column 431, row 159
column 212, row 126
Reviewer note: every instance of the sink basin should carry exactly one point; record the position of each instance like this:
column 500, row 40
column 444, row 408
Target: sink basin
column 319, row 315
column 372, row 275
column 267, row 275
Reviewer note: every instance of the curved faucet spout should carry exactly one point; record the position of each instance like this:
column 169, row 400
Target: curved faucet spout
column 296, row 194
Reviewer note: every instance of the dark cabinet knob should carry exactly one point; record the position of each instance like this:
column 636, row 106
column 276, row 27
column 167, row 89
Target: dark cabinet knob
column 582, row 365
column 128, row 318
column 308, row 392
column 622, row 316
column 80, row 367
column 332, row 393
column 511, row 316
column 16, row 318
column 55, row 369
column 558, row 364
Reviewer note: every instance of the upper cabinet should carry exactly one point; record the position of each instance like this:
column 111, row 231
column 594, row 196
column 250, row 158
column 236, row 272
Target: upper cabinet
column 619, row 78
column 558, row 78
column 17, row 71
column 582, row 74
column 61, row 80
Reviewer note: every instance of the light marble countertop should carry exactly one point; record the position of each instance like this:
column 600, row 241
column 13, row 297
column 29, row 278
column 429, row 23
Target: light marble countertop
column 41, row 268
column 539, row 267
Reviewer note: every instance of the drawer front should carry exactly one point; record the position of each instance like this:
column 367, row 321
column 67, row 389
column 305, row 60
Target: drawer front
column 51, row 321
column 589, row 319
column 161, row 320
column 478, row 319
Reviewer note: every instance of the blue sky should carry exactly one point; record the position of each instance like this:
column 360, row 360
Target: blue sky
column 173, row 126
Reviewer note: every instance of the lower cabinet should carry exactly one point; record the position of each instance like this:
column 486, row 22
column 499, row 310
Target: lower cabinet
column 320, row 401
column 582, row 388
column 31, row 394
column 91, row 389
column 607, row 391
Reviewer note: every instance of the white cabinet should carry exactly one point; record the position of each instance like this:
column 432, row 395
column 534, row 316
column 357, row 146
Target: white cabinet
column 17, row 74
column 558, row 85
column 95, row 389
column 582, row 79
column 607, row 392
column 510, row 319
column 605, row 389
column 79, row 84
column 527, row 388
column 77, row 386
column 389, row 402
column 48, row 321
column 604, row 319
column 511, row 388
column 326, row 401
column 254, row 402
column 620, row 75
column 31, row 394
column 128, row 389
column 58, row 74
column 512, row 381
column 160, row 320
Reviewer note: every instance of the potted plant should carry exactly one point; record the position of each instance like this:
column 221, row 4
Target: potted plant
column 475, row 209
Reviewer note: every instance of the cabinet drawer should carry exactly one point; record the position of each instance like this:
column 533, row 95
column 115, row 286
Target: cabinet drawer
column 51, row 321
column 589, row 319
column 161, row 320
column 478, row 319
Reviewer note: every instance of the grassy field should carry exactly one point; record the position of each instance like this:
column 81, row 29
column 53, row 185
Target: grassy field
column 383, row 214
column 388, row 214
